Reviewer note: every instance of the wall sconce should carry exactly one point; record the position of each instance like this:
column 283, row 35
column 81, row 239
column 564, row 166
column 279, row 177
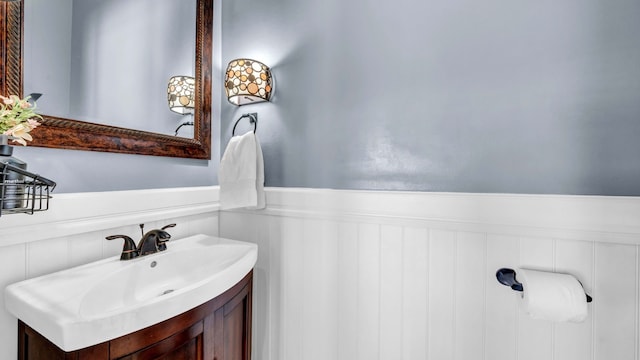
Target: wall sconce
column 181, row 94
column 247, row 81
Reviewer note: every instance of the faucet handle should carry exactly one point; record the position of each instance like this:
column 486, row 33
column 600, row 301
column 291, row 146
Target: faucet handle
column 129, row 250
column 161, row 240
column 168, row 226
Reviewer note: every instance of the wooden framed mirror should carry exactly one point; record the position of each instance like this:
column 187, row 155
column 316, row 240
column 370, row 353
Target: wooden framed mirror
column 63, row 133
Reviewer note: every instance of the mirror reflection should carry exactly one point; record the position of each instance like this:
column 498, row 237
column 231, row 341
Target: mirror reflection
column 80, row 134
column 103, row 62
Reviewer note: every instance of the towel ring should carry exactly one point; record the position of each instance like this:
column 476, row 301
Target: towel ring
column 253, row 119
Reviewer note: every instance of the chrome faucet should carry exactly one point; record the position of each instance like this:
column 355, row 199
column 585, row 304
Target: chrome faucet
column 151, row 242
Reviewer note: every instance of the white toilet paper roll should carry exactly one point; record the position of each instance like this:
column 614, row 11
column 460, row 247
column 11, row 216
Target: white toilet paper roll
column 552, row 296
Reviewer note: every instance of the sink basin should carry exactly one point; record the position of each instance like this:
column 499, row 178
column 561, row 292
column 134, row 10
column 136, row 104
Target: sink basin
column 103, row 300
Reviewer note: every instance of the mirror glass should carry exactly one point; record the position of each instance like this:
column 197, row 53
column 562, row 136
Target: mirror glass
column 102, row 62
column 103, row 68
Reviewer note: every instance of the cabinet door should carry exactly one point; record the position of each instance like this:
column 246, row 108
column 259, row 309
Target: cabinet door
column 233, row 328
column 33, row 346
column 185, row 345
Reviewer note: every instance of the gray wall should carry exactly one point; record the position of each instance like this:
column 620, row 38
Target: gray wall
column 491, row 96
column 537, row 97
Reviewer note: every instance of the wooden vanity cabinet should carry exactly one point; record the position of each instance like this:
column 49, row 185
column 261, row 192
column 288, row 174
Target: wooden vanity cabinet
column 219, row 329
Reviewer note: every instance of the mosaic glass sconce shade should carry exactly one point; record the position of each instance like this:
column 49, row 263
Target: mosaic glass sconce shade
column 247, row 81
column 181, row 94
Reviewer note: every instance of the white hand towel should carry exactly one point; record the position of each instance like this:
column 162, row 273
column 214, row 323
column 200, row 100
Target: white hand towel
column 261, row 203
column 241, row 173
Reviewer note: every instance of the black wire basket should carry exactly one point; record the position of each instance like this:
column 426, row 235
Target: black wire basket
column 22, row 192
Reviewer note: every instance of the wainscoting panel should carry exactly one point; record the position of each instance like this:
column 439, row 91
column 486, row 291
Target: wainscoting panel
column 616, row 315
column 386, row 276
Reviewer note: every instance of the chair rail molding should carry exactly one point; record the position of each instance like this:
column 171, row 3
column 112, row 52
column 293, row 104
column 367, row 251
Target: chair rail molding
column 614, row 219
column 76, row 213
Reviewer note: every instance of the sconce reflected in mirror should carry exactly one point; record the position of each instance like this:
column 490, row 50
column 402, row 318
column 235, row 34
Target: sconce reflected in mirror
column 181, row 94
column 248, row 81
column 181, row 97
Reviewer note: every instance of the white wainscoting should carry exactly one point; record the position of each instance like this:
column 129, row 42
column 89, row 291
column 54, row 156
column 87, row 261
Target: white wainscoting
column 73, row 232
column 359, row 275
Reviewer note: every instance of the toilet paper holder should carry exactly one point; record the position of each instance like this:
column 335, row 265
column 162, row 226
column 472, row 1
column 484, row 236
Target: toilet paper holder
column 507, row 277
